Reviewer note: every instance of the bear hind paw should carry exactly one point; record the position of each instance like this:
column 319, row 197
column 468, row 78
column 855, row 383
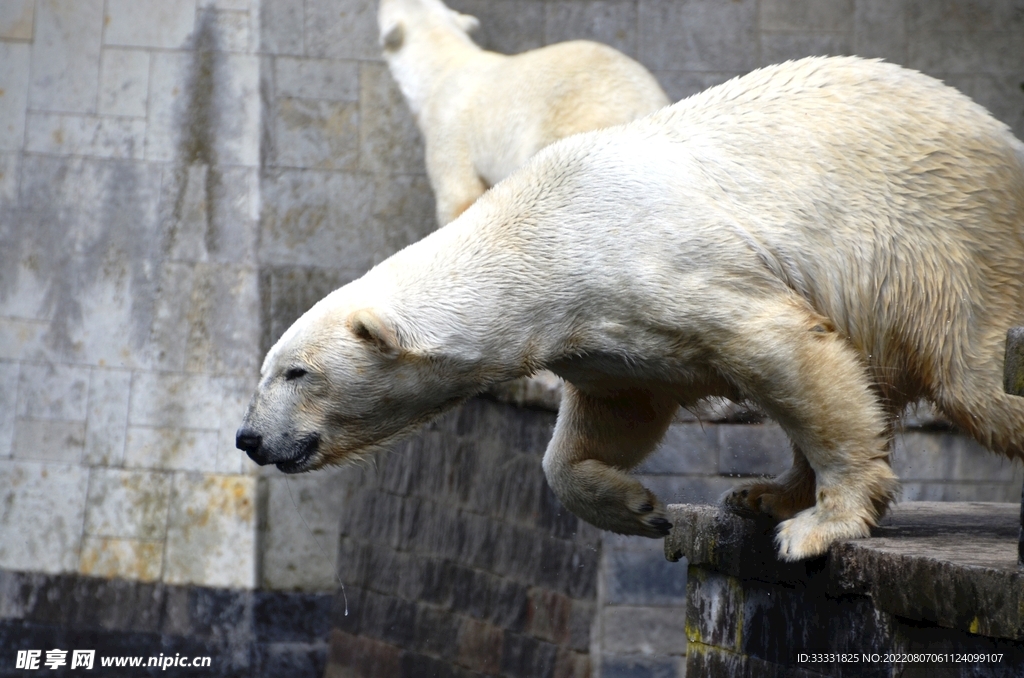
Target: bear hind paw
column 811, row 532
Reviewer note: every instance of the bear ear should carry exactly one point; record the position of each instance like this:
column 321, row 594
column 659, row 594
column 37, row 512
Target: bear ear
column 392, row 38
column 466, row 22
column 369, row 327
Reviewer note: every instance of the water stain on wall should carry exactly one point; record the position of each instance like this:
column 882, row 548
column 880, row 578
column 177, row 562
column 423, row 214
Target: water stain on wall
column 81, row 226
column 198, row 177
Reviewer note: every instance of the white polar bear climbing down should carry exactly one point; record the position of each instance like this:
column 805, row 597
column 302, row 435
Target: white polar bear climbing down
column 484, row 114
column 830, row 238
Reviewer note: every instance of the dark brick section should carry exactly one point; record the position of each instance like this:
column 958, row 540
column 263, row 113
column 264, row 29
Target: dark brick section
column 254, row 634
column 458, row 560
column 639, row 667
column 934, row 578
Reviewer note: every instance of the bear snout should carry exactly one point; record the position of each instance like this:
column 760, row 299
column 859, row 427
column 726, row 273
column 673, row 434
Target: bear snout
column 251, row 443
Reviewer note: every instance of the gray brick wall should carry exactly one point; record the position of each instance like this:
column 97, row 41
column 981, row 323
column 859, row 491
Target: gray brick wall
column 180, row 179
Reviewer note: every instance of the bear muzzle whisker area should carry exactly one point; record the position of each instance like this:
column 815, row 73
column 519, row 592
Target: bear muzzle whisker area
column 307, row 448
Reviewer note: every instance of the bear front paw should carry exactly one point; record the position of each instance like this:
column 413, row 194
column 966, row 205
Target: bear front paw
column 768, row 498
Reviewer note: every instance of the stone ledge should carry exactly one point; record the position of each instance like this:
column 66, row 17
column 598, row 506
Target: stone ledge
column 951, row 564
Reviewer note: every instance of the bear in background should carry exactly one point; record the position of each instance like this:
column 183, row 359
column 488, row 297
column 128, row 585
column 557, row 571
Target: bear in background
column 484, row 114
column 830, row 239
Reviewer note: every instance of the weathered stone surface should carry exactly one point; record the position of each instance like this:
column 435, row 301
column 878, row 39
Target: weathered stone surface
column 211, row 531
column 253, row 634
column 210, row 213
column 14, row 80
column 702, row 35
column 630, row 629
column 688, row 488
column 114, row 558
column 86, row 135
column 642, row 577
column 302, row 535
column 328, row 79
column 354, row 656
column 16, row 19
column 963, row 52
column 39, row 534
column 10, row 173
column 49, row 440
column 174, row 401
column 610, row 23
column 989, row 90
column 686, row 449
column 53, row 392
column 953, row 565
column 761, row 449
column 8, row 406
column 96, row 298
column 806, row 15
column 306, row 212
column 945, row 490
column 230, row 31
column 634, row 666
column 65, row 55
column 345, row 29
column 217, row 93
column 107, row 417
column 166, row 24
column 509, row 26
column 1013, row 368
column 124, row 82
column 281, row 26
column 918, row 455
column 317, row 134
column 961, row 15
column 880, row 30
column 127, row 504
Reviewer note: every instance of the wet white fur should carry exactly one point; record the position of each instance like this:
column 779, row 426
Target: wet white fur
column 829, row 238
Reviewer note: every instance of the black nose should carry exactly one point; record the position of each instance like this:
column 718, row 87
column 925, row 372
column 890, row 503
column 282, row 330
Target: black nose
column 250, row 443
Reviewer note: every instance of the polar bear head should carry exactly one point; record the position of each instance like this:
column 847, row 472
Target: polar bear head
column 338, row 385
column 398, row 19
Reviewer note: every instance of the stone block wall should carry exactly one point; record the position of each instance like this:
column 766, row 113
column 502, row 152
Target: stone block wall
column 129, row 296
column 244, row 633
column 180, row 179
column 936, row 590
column 457, row 560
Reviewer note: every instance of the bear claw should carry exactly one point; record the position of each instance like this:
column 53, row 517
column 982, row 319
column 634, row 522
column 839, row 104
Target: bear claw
column 661, row 525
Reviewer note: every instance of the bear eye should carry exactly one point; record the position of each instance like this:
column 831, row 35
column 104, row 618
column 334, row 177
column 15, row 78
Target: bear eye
column 294, row 373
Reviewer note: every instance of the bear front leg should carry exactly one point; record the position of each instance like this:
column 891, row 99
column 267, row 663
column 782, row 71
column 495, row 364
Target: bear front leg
column 596, row 440
column 808, row 377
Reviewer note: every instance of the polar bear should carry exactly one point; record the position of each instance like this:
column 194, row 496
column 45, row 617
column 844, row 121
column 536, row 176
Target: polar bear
column 829, row 238
column 483, row 114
